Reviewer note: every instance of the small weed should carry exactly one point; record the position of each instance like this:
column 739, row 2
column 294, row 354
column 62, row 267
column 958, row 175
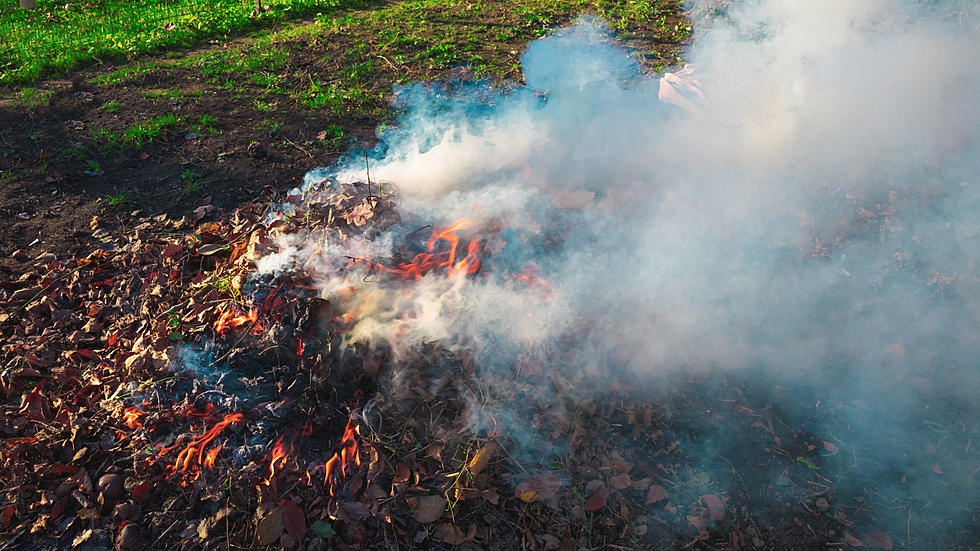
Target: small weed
column 93, row 168
column 192, row 181
column 110, row 106
column 264, row 105
column 332, row 136
column 76, row 151
column 117, row 199
column 272, row 126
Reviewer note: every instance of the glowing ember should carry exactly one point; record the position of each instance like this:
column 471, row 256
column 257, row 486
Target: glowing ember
column 346, row 455
column 193, row 454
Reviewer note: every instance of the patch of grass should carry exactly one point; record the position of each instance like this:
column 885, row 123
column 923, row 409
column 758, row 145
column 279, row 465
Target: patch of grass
column 56, row 37
column 125, row 73
column 33, row 98
column 149, row 130
column 205, row 123
column 110, row 106
column 116, row 199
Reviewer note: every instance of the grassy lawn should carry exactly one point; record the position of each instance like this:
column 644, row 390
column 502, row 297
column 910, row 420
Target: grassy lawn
column 58, row 36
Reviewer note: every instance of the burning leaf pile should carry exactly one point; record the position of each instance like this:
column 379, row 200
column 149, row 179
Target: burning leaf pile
column 566, row 316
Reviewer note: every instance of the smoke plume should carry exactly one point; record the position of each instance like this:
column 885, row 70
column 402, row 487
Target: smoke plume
column 799, row 203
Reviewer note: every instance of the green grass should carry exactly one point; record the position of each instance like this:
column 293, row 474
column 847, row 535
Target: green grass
column 58, row 36
column 142, row 133
column 116, row 199
column 33, row 98
column 192, row 181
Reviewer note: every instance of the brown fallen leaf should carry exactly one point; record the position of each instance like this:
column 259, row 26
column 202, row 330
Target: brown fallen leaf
column 270, row 527
column 402, row 473
column 542, row 487
column 293, row 520
column 937, row 468
column 430, row 508
column 656, row 493
column 831, row 448
column 482, row 458
column 452, row 535
column 879, row 540
column 852, row 541
column 716, row 506
column 596, row 499
column 620, row 482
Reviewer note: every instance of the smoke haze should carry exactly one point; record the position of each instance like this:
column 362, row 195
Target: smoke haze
column 810, row 217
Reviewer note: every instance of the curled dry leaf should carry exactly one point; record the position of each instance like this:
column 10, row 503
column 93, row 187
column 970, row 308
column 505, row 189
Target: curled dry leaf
column 831, row 448
column 482, row 458
column 430, row 508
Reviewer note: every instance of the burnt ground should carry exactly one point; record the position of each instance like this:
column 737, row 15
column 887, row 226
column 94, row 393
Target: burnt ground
column 91, row 308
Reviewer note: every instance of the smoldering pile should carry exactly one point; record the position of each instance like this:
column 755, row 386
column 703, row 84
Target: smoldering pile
column 755, row 231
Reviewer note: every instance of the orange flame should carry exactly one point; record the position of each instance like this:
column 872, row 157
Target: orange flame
column 279, row 455
column 211, row 456
column 192, row 455
column 229, row 319
column 424, row 263
column 347, row 454
column 131, row 417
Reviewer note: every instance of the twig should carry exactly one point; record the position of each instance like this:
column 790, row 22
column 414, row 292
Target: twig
column 367, row 170
column 308, row 154
column 164, row 533
column 10, row 543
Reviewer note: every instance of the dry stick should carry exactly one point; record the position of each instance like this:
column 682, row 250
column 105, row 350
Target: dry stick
column 308, row 154
column 367, row 170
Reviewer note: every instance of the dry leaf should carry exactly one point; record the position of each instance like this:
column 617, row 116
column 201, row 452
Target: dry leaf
column 430, row 508
column 656, row 493
column 597, row 498
column 852, row 541
column 716, row 506
column 293, row 520
column 270, row 527
column 620, row 482
column 452, row 535
column 831, row 448
column 879, row 540
column 542, row 487
column 482, row 458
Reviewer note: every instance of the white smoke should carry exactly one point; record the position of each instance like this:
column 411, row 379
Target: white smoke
column 816, row 201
